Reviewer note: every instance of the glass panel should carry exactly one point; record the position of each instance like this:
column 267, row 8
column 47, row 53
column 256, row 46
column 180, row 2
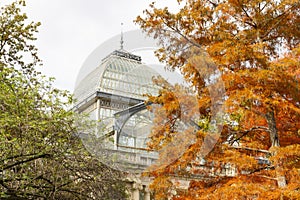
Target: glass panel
column 127, row 78
column 93, row 114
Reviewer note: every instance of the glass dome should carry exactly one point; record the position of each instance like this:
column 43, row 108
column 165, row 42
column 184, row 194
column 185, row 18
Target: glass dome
column 120, row 73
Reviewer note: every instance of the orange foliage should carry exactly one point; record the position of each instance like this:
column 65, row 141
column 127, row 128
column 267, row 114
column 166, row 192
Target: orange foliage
column 242, row 60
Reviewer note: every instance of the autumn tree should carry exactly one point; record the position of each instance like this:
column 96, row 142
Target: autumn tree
column 41, row 155
column 241, row 59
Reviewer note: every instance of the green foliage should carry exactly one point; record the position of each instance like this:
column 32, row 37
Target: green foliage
column 17, row 37
column 41, row 155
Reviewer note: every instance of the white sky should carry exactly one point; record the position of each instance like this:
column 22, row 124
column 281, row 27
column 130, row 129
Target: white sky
column 72, row 29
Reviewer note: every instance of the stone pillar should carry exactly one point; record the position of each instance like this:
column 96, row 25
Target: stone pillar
column 135, row 194
column 136, row 187
column 98, row 106
column 97, row 115
column 147, row 194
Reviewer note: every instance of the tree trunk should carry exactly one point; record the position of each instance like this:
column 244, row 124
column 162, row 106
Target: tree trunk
column 270, row 117
column 273, row 130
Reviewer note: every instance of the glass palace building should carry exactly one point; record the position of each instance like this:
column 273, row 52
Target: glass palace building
column 113, row 94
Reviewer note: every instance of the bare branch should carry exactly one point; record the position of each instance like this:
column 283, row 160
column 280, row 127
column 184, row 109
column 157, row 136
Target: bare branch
column 245, row 132
column 25, row 161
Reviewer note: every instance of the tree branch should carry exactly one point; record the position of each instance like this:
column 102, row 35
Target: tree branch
column 262, row 168
column 17, row 156
column 252, row 149
column 25, row 161
column 244, row 133
column 213, row 4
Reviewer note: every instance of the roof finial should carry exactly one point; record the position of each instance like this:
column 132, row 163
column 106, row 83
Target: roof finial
column 122, row 41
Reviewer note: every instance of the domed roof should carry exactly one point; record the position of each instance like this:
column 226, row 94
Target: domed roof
column 120, row 73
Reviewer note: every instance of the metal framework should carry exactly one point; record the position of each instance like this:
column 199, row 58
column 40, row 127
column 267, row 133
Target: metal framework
column 113, row 93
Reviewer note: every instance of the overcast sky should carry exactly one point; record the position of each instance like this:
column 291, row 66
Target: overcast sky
column 72, row 29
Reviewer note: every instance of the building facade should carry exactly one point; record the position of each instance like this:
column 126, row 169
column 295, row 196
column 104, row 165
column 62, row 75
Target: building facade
column 113, row 94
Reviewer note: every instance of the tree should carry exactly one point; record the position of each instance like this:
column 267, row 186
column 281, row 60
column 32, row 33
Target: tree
column 252, row 48
column 41, row 155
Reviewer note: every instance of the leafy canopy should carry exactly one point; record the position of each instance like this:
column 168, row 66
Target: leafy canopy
column 41, row 155
column 251, row 49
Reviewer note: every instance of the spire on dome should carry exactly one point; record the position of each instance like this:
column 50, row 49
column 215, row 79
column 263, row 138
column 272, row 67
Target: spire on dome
column 122, row 41
column 123, row 53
